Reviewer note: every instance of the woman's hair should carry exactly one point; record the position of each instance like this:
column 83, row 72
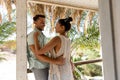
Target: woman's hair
column 66, row 23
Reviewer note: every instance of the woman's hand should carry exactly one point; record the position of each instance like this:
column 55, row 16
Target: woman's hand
column 60, row 60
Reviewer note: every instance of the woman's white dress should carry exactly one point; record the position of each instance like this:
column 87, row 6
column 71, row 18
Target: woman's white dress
column 63, row 72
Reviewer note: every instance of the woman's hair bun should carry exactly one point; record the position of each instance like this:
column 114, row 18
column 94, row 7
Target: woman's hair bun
column 69, row 19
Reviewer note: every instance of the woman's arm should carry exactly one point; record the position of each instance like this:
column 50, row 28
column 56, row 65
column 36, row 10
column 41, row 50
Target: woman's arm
column 36, row 42
column 59, row 61
column 50, row 45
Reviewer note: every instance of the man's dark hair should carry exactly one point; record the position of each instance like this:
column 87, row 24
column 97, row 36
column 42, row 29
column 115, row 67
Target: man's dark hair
column 36, row 17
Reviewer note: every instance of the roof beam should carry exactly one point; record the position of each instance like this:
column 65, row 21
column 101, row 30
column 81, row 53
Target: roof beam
column 76, row 4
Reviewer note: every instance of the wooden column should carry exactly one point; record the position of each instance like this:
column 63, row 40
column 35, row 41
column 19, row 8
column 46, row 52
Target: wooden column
column 116, row 30
column 21, row 61
column 107, row 37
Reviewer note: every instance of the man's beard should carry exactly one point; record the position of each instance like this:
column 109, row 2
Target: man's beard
column 40, row 29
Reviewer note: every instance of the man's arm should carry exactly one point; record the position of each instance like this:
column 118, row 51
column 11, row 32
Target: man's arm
column 44, row 58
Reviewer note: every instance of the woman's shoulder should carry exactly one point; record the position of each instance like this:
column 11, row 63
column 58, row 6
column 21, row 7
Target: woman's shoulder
column 59, row 38
column 56, row 38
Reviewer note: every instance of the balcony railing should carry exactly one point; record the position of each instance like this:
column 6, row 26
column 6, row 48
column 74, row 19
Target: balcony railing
column 79, row 63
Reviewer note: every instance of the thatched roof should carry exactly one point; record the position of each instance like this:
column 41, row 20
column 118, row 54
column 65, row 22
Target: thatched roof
column 8, row 5
column 55, row 9
column 76, row 4
column 54, row 12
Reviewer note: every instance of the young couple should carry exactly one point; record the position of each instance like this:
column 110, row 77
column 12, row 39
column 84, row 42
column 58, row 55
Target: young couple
column 57, row 65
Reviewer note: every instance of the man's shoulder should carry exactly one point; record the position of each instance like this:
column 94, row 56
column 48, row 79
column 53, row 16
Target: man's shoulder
column 31, row 33
column 30, row 36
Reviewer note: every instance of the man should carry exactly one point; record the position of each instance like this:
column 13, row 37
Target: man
column 39, row 67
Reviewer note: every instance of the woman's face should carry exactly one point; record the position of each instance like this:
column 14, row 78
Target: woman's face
column 59, row 28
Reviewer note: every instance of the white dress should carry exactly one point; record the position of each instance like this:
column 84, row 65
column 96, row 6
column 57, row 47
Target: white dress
column 63, row 72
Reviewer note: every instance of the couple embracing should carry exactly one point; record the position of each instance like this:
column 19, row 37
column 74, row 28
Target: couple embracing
column 50, row 61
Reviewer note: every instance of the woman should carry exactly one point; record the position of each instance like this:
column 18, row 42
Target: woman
column 59, row 45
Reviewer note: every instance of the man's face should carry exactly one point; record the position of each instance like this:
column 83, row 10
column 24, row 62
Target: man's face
column 40, row 23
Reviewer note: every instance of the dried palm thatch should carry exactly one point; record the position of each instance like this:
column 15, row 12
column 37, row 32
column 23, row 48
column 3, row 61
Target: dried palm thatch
column 9, row 8
column 91, row 14
column 74, row 15
column 3, row 5
column 86, row 22
column 36, row 8
column 57, row 12
column 53, row 13
column 8, row 5
column 79, row 19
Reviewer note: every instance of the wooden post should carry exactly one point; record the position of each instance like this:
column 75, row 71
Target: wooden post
column 116, row 30
column 107, row 38
column 21, row 60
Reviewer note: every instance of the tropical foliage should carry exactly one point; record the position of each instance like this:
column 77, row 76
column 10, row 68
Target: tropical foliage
column 6, row 29
column 86, row 46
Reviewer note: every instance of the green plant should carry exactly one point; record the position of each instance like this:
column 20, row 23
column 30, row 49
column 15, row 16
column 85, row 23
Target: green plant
column 91, row 70
column 6, row 29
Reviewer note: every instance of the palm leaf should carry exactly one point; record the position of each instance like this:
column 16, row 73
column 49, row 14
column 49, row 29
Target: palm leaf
column 6, row 29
